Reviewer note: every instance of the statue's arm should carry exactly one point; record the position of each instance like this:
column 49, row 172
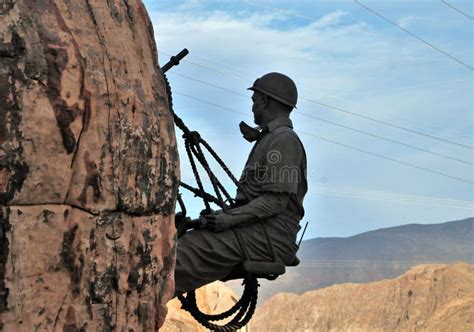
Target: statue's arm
column 264, row 206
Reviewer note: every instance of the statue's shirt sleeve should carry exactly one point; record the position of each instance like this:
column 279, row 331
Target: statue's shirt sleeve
column 263, row 206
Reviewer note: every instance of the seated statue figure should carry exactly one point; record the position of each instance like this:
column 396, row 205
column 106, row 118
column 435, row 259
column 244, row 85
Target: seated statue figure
column 269, row 198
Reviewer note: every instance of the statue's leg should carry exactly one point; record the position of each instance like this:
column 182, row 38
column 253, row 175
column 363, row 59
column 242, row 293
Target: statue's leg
column 281, row 231
column 203, row 257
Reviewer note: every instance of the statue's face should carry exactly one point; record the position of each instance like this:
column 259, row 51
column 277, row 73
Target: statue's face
column 258, row 108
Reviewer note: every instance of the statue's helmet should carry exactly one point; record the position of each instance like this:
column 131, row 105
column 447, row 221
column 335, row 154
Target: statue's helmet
column 277, row 86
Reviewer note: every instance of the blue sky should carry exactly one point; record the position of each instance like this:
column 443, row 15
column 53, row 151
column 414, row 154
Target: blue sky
column 342, row 55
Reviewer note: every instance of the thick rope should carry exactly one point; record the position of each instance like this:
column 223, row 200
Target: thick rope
column 245, row 307
column 225, row 168
column 190, row 300
column 246, row 304
column 199, row 193
column 196, row 173
column 196, row 149
column 195, row 141
column 216, row 183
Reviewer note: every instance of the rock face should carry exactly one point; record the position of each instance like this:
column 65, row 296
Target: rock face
column 212, row 299
column 88, row 168
column 426, row 298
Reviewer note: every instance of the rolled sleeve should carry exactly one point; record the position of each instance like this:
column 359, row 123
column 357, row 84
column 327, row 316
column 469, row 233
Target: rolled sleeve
column 263, row 206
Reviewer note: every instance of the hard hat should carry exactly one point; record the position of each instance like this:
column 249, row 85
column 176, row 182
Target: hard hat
column 277, row 86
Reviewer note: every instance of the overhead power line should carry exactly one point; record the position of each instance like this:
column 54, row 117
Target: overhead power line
column 216, row 70
column 397, row 195
column 457, row 9
column 338, row 109
column 390, row 197
column 413, row 131
column 414, row 35
column 209, row 103
column 336, row 124
column 212, row 85
column 350, row 192
column 387, row 158
column 312, row 19
column 386, row 139
column 341, row 144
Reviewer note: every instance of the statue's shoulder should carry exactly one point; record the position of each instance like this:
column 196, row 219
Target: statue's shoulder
column 285, row 138
column 283, row 130
column 286, row 133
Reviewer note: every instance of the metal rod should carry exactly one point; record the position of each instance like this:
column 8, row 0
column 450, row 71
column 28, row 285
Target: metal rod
column 301, row 238
column 174, row 60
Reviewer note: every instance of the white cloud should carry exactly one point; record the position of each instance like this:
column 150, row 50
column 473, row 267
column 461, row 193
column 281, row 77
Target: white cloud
column 330, row 19
column 406, row 21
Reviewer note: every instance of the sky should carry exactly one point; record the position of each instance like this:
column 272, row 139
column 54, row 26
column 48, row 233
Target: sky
column 385, row 107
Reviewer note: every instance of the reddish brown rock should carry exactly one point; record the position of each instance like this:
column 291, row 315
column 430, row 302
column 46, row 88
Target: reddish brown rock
column 88, row 168
column 84, row 110
column 69, row 267
column 426, row 298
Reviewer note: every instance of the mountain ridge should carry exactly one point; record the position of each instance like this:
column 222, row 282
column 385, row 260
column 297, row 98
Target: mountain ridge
column 470, row 219
column 432, row 297
column 389, row 238
column 374, row 255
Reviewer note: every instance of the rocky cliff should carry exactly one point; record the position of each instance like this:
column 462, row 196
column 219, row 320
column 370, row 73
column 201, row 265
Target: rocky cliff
column 426, row 298
column 88, row 168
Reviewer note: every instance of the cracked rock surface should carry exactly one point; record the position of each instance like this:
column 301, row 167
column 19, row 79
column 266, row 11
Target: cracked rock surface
column 89, row 168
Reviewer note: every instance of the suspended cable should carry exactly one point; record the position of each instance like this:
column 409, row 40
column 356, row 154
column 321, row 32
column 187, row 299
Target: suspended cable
column 312, row 19
column 342, row 144
column 339, row 125
column 457, row 9
column 209, row 103
column 388, row 124
column 387, row 158
column 360, row 193
column 385, row 139
column 416, row 201
column 338, row 109
column 205, row 67
column 212, row 85
column 414, row 35
column 397, row 195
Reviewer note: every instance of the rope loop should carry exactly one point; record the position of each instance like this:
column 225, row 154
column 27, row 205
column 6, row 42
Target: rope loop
column 193, row 137
column 243, row 309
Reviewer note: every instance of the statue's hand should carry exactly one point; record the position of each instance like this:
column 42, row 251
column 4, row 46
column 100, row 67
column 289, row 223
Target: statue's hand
column 219, row 222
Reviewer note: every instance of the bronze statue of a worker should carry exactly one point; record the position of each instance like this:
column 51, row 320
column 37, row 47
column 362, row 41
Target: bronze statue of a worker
column 274, row 182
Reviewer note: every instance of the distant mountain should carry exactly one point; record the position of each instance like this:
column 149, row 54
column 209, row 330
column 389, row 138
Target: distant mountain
column 433, row 242
column 371, row 256
column 430, row 297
